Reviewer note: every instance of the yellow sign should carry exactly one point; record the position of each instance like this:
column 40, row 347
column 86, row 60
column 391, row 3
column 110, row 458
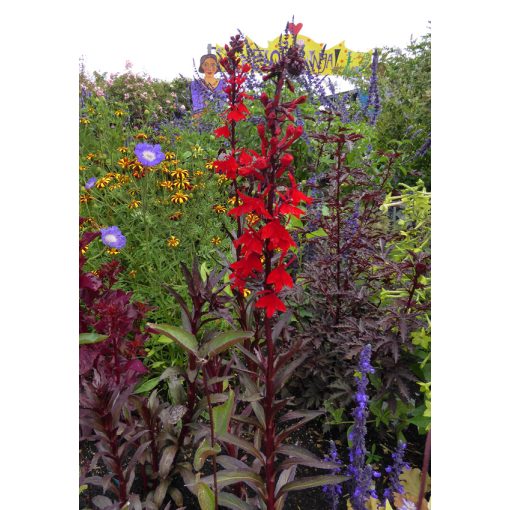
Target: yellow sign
column 335, row 60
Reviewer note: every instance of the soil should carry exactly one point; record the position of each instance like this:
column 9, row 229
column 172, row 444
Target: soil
column 311, row 438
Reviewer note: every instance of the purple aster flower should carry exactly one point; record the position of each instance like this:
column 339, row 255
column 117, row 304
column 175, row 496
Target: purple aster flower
column 394, row 473
column 333, row 491
column 112, row 237
column 361, row 472
column 90, row 182
column 149, row 155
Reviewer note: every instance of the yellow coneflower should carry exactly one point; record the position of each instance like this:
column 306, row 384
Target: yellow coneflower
column 175, row 216
column 222, row 179
column 166, row 184
column 112, row 251
column 180, row 173
column 215, row 240
column 123, row 150
column 124, row 162
column 118, row 113
column 252, row 219
column 219, row 209
column 83, row 167
column 169, row 156
column 141, row 136
column 101, row 183
column 210, row 165
column 183, row 185
column 198, row 173
column 84, row 120
column 172, row 242
column 246, row 292
column 132, row 273
column 134, row 204
column 179, row 198
column 90, row 156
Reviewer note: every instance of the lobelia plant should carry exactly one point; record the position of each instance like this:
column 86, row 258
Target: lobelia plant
column 266, row 189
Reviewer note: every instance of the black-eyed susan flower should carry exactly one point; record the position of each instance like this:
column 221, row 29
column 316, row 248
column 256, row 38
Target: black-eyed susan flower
column 169, row 156
column 162, row 138
column 84, row 249
column 219, row 209
column 90, row 156
column 137, row 169
column 172, row 242
column 215, row 240
column 134, row 204
column 178, row 138
column 83, row 167
column 141, row 136
column 84, row 120
column 112, row 251
column 132, row 273
column 196, row 151
column 180, row 173
column 210, row 165
column 232, row 200
column 101, row 183
column 175, row 216
column 164, row 167
column 179, row 198
column 133, row 192
column 123, row 150
column 166, row 184
column 198, row 173
column 246, row 292
column 124, row 162
column 182, row 185
column 118, row 113
column 222, row 179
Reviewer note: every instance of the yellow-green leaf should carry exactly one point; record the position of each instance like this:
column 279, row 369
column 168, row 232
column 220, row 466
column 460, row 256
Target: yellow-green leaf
column 205, row 497
column 222, row 414
column 204, row 451
column 223, row 341
column 185, row 339
column 91, row 338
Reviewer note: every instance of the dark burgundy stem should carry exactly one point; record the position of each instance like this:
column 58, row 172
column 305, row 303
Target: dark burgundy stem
column 424, row 472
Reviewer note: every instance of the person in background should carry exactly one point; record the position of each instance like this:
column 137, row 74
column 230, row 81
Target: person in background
column 208, row 88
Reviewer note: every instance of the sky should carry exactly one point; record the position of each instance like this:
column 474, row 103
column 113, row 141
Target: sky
column 179, row 34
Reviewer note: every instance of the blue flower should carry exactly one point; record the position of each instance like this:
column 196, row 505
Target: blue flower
column 90, row 183
column 149, row 155
column 112, row 237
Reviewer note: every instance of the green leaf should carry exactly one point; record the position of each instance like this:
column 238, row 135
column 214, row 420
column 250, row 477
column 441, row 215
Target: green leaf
column 242, row 443
column 186, row 155
column 227, row 477
column 205, row 497
column 204, row 451
column 228, row 500
column 147, row 385
column 222, row 415
column 311, row 481
column 317, row 233
column 223, row 341
column 295, row 222
column 185, row 339
column 91, row 338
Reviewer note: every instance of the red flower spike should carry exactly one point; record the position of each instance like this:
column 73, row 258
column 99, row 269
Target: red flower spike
column 290, row 209
column 227, row 166
column 245, row 158
column 250, row 204
column 222, row 131
column 251, row 242
column 270, row 302
column 277, row 235
column 280, row 278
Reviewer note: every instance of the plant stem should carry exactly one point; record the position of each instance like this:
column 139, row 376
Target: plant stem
column 424, row 471
column 209, row 407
